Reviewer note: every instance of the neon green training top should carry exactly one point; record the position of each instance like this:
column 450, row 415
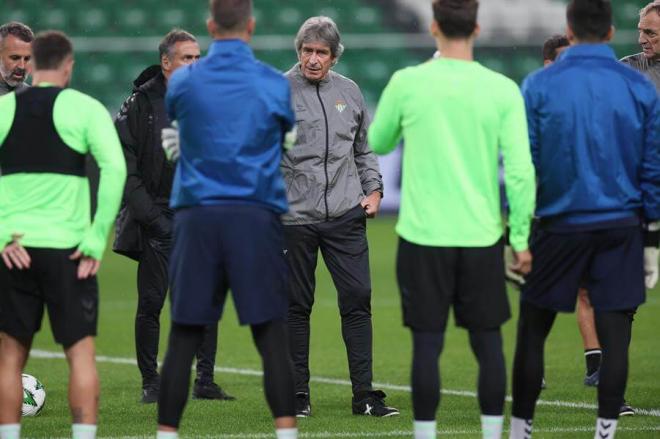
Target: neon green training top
column 53, row 210
column 455, row 117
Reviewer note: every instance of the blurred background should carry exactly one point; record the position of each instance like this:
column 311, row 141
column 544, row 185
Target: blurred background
column 116, row 39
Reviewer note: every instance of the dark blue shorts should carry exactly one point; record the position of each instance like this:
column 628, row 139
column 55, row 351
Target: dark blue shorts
column 608, row 263
column 221, row 247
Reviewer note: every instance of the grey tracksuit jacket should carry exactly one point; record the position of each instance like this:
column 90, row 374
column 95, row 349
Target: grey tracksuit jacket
column 330, row 168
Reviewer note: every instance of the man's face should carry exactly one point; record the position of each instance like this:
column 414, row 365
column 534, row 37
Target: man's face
column 15, row 56
column 649, row 35
column 315, row 61
column 183, row 53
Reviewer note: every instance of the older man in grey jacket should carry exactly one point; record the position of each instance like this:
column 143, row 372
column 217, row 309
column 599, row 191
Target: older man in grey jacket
column 333, row 185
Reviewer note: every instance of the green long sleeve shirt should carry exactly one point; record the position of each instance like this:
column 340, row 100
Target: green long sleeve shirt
column 53, row 210
column 455, row 117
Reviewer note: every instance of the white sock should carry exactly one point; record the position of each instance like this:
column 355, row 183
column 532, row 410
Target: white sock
column 425, row 429
column 167, row 435
column 287, row 433
column 84, row 431
column 520, row 428
column 605, row 428
column 491, row 426
column 10, row 431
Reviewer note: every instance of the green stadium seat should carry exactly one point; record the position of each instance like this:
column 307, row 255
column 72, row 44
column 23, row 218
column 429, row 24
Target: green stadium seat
column 91, row 21
column 54, row 18
column 132, row 21
column 288, row 20
column 365, row 19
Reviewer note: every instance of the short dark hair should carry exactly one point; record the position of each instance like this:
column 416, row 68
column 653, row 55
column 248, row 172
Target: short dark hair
column 18, row 30
column 174, row 36
column 50, row 49
column 551, row 45
column 456, row 18
column 230, row 15
column 590, row 20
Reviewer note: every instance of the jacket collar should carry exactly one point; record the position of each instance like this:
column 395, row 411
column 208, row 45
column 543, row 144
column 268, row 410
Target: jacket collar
column 599, row 50
column 230, row 47
column 298, row 76
column 155, row 86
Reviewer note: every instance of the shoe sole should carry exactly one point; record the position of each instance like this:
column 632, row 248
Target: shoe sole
column 627, row 413
column 374, row 416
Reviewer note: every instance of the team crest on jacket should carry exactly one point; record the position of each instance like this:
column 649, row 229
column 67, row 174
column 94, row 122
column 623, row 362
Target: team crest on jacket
column 340, row 105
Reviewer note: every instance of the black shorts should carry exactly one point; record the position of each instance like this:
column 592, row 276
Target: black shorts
column 228, row 246
column 52, row 281
column 608, row 263
column 432, row 279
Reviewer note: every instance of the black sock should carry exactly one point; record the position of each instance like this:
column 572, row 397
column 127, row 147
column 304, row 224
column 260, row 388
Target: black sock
column 534, row 324
column 614, row 331
column 487, row 347
column 427, row 347
column 175, row 374
column 271, row 339
column 592, row 358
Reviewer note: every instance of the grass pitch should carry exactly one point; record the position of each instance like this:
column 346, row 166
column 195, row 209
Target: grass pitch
column 568, row 410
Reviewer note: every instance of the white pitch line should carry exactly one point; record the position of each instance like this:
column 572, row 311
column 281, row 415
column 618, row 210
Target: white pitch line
column 38, row 353
column 327, row 434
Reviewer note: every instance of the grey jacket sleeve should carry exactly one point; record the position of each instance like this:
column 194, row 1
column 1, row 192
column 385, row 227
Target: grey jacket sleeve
column 365, row 159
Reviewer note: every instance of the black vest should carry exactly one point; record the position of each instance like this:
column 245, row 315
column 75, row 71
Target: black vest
column 33, row 145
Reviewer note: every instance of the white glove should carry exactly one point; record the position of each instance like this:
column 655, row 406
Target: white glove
column 290, row 138
column 510, row 275
column 170, row 142
column 651, row 266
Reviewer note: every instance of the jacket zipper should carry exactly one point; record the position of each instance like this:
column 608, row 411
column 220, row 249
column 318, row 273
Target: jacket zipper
column 327, row 152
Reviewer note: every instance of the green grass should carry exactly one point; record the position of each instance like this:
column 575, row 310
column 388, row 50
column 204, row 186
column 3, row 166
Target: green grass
column 121, row 415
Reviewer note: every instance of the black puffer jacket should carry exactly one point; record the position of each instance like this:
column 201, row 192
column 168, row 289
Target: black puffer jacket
column 149, row 182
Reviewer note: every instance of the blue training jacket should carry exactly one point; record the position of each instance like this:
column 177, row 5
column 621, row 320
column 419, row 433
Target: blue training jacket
column 594, row 128
column 233, row 112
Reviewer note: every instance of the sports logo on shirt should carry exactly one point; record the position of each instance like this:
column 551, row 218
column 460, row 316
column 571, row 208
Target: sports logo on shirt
column 340, row 105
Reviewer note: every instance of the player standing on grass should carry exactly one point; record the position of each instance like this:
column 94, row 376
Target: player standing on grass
column 228, row 193
column 51, row 251
column 144, row 227
column 596, row 148
column 15, row 55
column 333, row 185
column 450, row 223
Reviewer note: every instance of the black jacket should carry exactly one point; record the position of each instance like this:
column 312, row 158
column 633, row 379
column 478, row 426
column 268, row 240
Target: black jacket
column 139, row 123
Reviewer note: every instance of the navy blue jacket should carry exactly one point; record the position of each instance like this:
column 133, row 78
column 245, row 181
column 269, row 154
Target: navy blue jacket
column 233, row 112
column 594, row 128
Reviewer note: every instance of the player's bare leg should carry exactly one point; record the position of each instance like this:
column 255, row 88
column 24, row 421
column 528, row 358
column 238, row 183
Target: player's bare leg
column 587, row 325
column 13, row 355
column 83, row 387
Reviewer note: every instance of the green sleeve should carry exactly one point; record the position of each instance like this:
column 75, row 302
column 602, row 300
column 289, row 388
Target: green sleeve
column 94, row 133
column 385, row 130
column 519, row 176
column 105, row 148
column 7, row 112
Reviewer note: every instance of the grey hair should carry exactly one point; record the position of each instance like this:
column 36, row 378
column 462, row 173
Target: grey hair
column 320, row 30
column 18, row 30
column 653, row 6
column 174, row 36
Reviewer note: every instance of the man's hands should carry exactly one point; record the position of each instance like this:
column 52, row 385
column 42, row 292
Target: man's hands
column 87, row 267
column 170, row 142
column 371, row 204
column 517, row 265
column 651, row 266
column 14, row 254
